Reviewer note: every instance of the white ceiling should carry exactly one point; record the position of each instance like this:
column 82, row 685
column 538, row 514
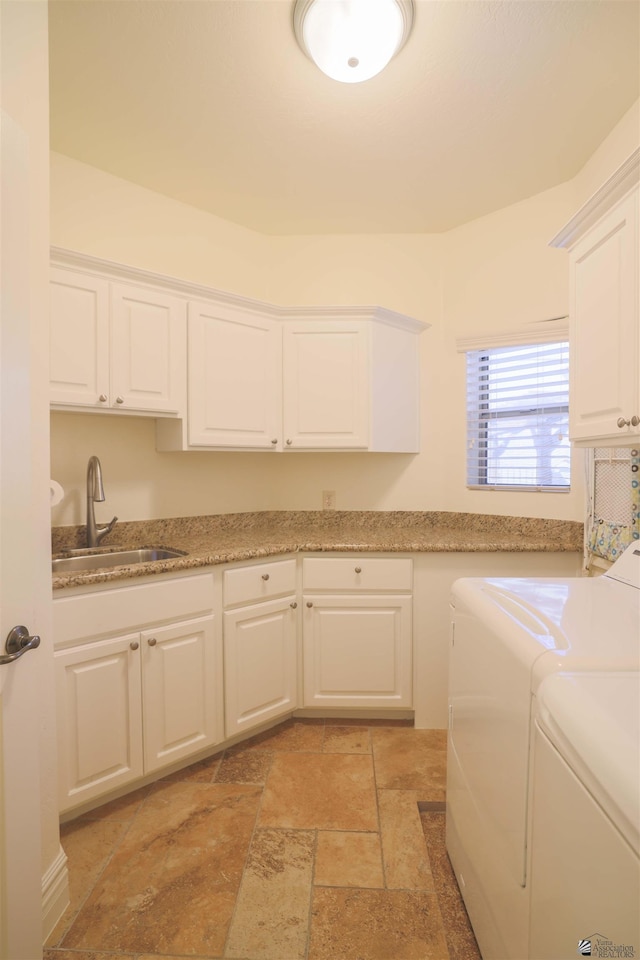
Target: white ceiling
column 213, row 103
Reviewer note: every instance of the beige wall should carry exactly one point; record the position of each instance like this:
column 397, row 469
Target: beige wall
column 501, row 276
column 96, row 213
column 494, row 274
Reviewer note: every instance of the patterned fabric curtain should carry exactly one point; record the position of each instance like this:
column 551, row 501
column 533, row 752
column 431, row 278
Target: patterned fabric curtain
column 635, row 494
column 614, row 499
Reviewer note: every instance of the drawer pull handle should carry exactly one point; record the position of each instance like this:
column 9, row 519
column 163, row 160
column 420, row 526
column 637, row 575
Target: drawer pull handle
column 289, row 442
column 119, row 400
column 358, row 569
column 293, row 605
column 274, row 441
column 103, row 398
column 152, row 641
column 134, row 644
column 265, row 576
column 309, row 603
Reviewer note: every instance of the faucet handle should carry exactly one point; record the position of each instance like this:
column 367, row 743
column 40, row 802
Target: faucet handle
column 110, row 526
column 101, row 532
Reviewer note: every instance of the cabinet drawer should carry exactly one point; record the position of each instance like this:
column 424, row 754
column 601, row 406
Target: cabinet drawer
column 355, row 574
column 122, row 609
column 260, row 581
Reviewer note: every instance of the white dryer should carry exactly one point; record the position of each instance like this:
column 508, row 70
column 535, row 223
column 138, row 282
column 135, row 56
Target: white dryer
column 585, row 817
column 507, row 636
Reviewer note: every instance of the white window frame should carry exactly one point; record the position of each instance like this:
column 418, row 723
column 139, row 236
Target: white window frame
column 485, row 348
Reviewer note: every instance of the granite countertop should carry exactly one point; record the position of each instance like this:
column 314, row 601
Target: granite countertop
column 225, row 538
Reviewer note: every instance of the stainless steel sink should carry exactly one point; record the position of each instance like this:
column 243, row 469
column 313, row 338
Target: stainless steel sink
column 75, row 560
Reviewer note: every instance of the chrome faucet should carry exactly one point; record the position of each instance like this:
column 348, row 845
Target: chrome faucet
column 95, row 494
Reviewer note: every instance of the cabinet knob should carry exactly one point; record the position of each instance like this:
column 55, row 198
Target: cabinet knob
column 635, row 420
column 152, row 641
column 623, row 423
column 309, row 603
column 274, row 441
column 293, row 605
column 289, row 442
column 119, row 400
column 265, row 576
column 358, row 569
column 134, row 644
column 103, row 398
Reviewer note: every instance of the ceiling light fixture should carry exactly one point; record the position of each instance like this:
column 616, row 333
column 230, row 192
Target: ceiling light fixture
column 352, row 40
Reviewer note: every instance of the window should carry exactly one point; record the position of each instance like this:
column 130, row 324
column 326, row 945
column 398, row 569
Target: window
column 518, row 417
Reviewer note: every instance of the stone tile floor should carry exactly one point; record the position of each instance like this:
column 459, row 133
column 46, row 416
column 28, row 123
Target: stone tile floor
column 303, row 843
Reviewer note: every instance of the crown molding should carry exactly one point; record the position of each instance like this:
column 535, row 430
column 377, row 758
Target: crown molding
column 615, row 188
column 73, row 260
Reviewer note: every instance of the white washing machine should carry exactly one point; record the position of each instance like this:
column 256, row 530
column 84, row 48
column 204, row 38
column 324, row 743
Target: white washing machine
column 507, row 636
column 585, row 817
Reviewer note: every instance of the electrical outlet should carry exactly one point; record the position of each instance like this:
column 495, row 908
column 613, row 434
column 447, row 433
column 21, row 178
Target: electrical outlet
column 328, row 499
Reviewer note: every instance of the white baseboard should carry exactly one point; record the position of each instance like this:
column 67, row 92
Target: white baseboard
column 55, row 893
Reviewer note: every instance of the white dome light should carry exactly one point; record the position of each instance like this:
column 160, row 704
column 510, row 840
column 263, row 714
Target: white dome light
column 352, row 40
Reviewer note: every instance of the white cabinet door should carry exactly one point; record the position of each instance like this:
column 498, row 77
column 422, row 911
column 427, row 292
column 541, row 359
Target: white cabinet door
column 357, row 651
column 260, row 663
column 116, row 347
column 179, row 691
column 326, row 402
column 148, row 350
column 234, row 380
column 99, row 718
column 79, row 339
column 605, row 334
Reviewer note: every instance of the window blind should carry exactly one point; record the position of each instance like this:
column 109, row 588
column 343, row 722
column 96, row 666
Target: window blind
column 518, row 417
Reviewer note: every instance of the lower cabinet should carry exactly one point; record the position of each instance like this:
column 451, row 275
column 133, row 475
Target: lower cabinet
column 259, row 663
column 178, row 691
column 260, row 644
column 134, row 701
column 99, row 699
column 144, row 681
column 357, row 634
column 130, row 705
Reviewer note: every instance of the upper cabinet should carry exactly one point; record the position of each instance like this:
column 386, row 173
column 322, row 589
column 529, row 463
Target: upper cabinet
column 116, row 347
column 294, row 380
column 147, row 350
column 222, row 372
column 325, row 384
column 234, row 381
column 79, row 339
column 351, row 383
column 604, row 263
